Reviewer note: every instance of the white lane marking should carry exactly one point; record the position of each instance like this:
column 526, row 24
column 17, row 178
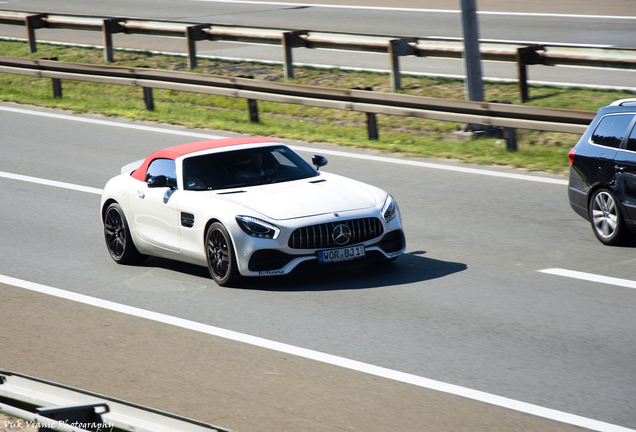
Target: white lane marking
column 109, row 123
column 394, row 9
column 300, row 148
column 50, row 183
column 626, row 283
column 370, row 369
column 557, row 15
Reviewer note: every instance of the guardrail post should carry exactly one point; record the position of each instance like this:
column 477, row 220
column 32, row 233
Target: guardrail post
column 397, row 48
column 148, row 99
column 110, row 26
column 395, row 67
column 57, row 87
column 55, row 82
column 372, row 126
column 527, row 56
column 193, row 34
column 511, row 138
column 31, row 23
column 507, row 133
column 252, row 105
column 291, row 40
column 522, row 79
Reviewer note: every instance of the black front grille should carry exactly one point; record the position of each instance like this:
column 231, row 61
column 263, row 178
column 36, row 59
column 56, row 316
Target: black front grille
column 321, row 236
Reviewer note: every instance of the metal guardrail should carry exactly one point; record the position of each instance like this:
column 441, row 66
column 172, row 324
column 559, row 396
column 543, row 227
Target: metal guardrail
column 59, row 407
column 395, row 46
column 369, row 102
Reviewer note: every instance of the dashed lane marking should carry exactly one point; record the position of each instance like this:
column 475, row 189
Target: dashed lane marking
column 626, row 283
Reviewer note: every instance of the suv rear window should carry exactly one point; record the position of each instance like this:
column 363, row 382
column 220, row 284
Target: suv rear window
column 611, row 129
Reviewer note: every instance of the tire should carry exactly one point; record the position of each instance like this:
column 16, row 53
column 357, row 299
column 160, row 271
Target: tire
column 607, row 220
column 219, row 252
column 118, row 239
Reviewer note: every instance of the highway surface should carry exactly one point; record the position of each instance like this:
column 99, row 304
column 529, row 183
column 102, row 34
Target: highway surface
column 483, row 302
column 592, row 23
column 505, row 303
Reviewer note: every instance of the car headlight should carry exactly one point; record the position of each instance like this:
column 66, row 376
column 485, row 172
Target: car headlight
column 390, row 209
column 257, row 228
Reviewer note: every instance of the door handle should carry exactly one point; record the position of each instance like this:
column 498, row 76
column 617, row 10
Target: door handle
column 619, row 168
column 141, row 195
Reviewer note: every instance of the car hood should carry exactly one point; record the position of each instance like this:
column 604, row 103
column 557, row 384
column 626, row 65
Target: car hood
column 302, row 198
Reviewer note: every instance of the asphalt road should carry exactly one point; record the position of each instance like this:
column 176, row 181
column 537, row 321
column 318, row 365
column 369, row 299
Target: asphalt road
column 584, row 22
column 466, row 305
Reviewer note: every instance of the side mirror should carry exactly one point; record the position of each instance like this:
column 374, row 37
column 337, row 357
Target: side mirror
column 160, row 181
column 318, row 161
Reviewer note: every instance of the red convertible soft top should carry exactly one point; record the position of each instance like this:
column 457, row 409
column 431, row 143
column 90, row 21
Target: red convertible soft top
column 183, row 149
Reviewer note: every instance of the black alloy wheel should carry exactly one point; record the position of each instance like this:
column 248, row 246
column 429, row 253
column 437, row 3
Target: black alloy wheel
column 606, row 218
column 220, row 255
column 117, row 235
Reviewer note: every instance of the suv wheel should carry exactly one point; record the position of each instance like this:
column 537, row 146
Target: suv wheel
column 606, row 218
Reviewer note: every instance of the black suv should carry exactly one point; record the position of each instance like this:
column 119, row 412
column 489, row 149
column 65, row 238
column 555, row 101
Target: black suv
column 603, row 173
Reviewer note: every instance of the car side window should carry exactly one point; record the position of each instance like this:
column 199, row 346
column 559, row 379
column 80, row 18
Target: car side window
column 631, row 140
column 163, row 167
column 611, row 129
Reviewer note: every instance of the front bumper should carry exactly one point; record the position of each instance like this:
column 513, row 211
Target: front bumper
column 269, row 262
column 268, row 257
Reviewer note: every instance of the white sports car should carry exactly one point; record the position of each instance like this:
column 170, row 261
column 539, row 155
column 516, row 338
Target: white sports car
column 245, row 207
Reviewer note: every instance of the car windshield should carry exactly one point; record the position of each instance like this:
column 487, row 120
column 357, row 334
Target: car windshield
column 226, row 170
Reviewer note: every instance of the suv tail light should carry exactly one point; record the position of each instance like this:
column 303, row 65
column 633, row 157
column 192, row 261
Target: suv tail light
column 571, row 155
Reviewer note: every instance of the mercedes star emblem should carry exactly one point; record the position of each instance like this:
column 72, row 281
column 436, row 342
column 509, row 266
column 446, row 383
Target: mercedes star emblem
column 341, row 234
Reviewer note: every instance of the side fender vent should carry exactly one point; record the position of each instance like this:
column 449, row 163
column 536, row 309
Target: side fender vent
column 187, row 220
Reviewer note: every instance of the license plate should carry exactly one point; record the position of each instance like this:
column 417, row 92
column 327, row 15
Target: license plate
column 344, row 254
